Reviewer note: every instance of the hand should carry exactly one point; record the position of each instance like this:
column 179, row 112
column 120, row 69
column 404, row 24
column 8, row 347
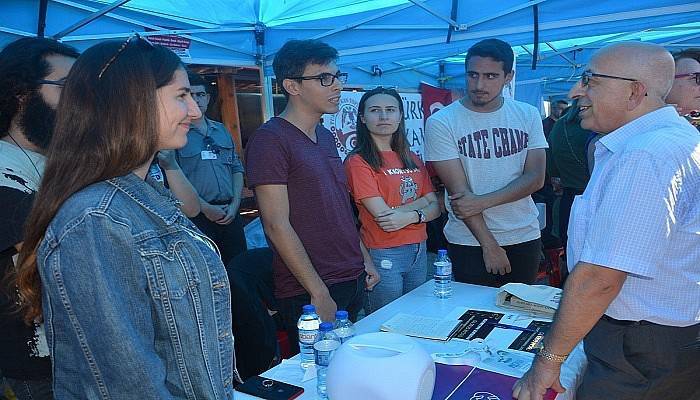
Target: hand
column 373, row 276
column 465, row 205
column 496, row 260
column 231, row 211
column 213, row 213
column 167, row 160
column 325, row 307
column 393, row 220
column 542, row 375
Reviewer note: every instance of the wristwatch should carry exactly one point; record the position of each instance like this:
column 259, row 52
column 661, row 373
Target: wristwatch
column 544, row 353
column 421, row 216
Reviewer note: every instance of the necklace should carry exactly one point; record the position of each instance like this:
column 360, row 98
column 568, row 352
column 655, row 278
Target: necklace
column 25, row 153
column 571, row 148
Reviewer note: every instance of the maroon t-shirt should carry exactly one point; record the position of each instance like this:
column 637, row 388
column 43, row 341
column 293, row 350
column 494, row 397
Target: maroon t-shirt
column 320, row 212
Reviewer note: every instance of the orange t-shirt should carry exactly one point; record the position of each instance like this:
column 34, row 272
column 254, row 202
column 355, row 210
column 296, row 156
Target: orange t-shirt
column 397, row 186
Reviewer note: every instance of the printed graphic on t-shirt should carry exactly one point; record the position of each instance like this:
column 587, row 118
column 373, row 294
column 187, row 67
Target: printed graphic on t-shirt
column 408, row 189
column 494, row 142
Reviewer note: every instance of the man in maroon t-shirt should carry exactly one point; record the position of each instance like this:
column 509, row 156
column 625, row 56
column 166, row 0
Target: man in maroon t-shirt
column 302, row 192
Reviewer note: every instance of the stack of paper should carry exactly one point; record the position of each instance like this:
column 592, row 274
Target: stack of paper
column 535, row 299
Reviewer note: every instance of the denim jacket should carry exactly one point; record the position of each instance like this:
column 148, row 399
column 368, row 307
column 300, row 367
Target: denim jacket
column 136, row 301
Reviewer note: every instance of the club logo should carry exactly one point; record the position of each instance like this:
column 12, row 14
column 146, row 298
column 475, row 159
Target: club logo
column 343, row 125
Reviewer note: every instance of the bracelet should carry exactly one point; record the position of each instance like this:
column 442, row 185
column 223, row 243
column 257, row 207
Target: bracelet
column 551, row 356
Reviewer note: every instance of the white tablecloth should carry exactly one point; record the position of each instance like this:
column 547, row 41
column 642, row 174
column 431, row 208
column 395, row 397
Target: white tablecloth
column 422, row 302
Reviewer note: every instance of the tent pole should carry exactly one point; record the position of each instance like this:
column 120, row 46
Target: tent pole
column 97, row 14
column 266, row 104
column 41, row 25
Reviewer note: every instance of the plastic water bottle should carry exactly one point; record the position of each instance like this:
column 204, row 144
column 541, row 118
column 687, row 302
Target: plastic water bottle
column 308, row 334
column 324, row 348
column 343, row 327
column 443, row 275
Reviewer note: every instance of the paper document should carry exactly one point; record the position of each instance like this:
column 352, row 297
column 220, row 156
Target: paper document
column 418, row 326
column 536, row 299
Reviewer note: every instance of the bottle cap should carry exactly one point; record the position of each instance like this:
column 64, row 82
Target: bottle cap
column 325, row 327
column 341, row 314
column 309, row 308
column 442, row 253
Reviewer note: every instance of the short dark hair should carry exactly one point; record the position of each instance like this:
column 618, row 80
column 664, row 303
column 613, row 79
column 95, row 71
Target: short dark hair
column 493, row 48
column 22, row 64
column 291, row 60
column 692, row 52
column 197, row 80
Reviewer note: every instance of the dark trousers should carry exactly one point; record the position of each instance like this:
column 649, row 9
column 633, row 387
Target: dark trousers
column 641, row 361
column 468, row 264
column 230, row 238
column 38, row 389
column 349, row 296
column 567, row 200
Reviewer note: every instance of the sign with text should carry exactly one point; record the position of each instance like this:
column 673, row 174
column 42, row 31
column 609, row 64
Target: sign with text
column 343, row 124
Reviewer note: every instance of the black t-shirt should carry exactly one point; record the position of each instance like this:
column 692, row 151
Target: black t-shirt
column 19, row 344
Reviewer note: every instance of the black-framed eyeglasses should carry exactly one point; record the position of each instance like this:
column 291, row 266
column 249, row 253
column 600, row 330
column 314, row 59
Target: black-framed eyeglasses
column 60, row 83
column 200, row 94
column 326, row 78
column 695, row 75
column 128, row 40
column 587, row 75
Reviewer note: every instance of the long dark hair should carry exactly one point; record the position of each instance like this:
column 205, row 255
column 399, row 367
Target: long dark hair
column 366, row 147
column 107, row 126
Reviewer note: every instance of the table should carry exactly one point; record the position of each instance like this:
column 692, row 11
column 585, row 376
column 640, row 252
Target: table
column 422, row 302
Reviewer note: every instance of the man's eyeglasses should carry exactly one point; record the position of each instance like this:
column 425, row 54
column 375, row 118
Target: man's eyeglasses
column 60, row 83
column 587, row 75
column 200, row 94
column 695, row 75
column 134, row 37
column 326, row 79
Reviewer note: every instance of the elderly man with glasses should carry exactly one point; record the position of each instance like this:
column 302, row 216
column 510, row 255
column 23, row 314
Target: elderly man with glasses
column 633, row 293
column 685, row 93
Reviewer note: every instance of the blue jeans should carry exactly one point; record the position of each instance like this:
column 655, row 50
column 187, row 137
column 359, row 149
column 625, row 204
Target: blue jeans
column 39, row 389
column 402, row 269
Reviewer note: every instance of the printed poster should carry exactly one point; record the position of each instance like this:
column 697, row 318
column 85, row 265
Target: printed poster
column 343, row 123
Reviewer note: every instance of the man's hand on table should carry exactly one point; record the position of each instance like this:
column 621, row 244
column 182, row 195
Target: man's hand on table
column 543, row 374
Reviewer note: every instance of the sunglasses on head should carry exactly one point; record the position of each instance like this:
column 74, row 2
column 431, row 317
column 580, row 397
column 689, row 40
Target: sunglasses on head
column 133, row 38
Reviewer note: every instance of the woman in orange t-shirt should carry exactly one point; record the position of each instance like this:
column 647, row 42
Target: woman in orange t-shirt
column 394, row 195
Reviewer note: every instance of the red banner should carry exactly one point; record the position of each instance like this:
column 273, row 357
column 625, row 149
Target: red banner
column 434, row 99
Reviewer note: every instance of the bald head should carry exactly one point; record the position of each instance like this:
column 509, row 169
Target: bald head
column 648, row 63
column 623, row 82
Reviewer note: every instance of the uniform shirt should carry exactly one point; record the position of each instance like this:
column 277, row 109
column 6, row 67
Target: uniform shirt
column 640, row 214
column 397, row 186
column 209, row 160
column 492, row 148
column 319, row 202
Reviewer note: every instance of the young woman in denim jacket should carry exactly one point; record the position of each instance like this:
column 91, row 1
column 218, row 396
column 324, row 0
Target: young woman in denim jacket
column 135, row 300
column 394, row 195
